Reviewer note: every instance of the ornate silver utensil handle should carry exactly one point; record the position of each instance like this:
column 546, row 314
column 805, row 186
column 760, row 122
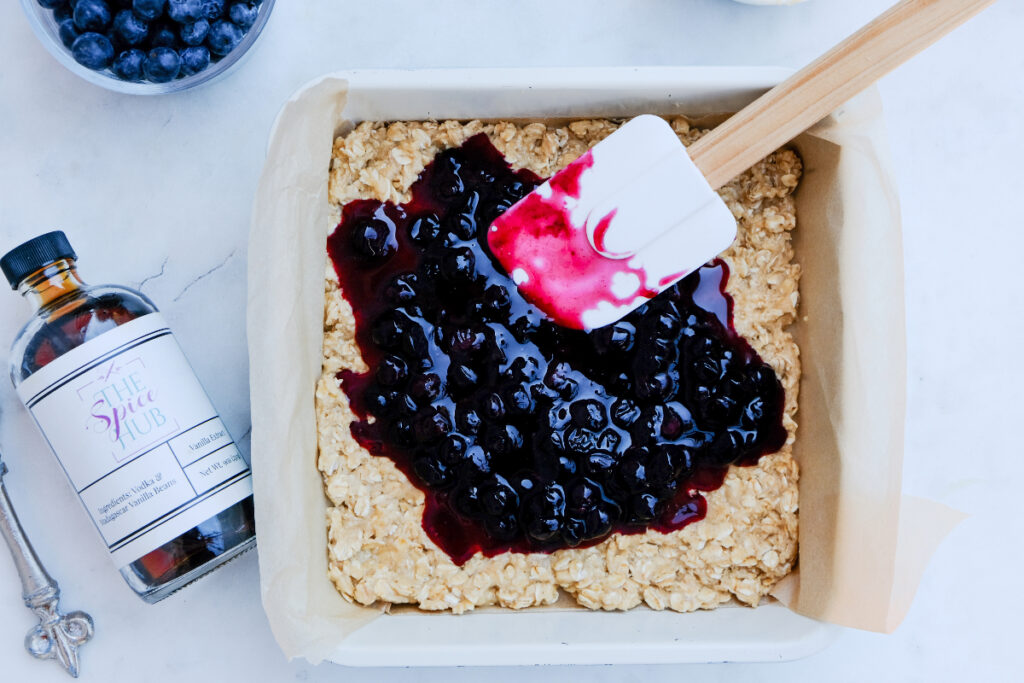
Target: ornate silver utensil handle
column 57, row 636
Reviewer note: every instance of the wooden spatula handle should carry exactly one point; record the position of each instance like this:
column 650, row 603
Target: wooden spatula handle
column 811, row 94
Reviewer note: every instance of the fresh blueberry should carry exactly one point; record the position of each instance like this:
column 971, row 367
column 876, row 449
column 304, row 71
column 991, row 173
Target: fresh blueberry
column 63, row 12
column 67, row 32
column 195, row 33
column 148, row 9
column 213, row 9
column 194, row 59
column 162, row 65
column 185, row 11
column 162, row 35
column 129, row 28
column 50, row 4
column 224, row 37
column 244, row 14
column 128, row 65
column 92, row 15
column 93, row 51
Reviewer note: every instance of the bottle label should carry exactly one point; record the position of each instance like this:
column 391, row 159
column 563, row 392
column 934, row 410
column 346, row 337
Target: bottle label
column 137, row 436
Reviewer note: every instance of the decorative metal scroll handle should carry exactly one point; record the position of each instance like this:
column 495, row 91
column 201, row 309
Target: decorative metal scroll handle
column 57, row 636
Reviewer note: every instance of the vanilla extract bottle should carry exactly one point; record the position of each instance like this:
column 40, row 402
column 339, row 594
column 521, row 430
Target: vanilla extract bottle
column 134, row 431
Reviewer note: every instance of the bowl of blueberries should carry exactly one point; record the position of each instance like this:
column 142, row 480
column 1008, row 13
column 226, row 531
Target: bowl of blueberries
column 148, row 47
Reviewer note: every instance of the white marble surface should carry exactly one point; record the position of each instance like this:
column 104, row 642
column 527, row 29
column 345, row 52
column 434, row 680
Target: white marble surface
column 156, row 193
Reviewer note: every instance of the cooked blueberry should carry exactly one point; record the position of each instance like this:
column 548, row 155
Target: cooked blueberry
column 588, row 413
column 609, row 440
column 657, row 387
column 401, row 290
column 462, row 377
column 543, row 512
column 524, row 369
column 574, row 530
column 432, row 425
column 224, row 37
column 502, row 528
column 185, row 11
column 452, row 449
column 497, row 299
column 194, row 33
column 67, row 31
column 565, row 468
column 520, row 401
column 401, row 433
column 459, row 265
column 244, row 14
column 415, row 346
column 515, row 190
column 194, row 60
column 92, row 15
column 476, row 463
column 387, row 331
column 753, row 412
column 450, row 183
column 498, row 498
column 580, row 440
column 424, row 229
column 665, row 325
column 392, row 371
column 466, row 341
column 625, row 412
column 632, row 471
column 467, row 420
column 373, row 239
column 432, row 471
column 559, row 378
column 466, row 500
column 213, row 9
column 598, row 523
column 583, row 493
column 676, row 421
column 148, row 9
column 426, row 387
column 462, row 222
column 618, row 336
column 503, row 440
column 93, row 51
column 492, row 406
column 643, row 507
column 600, row 465
column 128, row 65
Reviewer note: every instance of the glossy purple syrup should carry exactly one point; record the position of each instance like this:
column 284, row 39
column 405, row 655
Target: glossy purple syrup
column 524, row 435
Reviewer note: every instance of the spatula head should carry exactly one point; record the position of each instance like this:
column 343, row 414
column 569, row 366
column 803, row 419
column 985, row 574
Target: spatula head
column 626, row 220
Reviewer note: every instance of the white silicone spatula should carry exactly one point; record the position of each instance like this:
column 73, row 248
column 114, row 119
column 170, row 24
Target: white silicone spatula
column 639, row 211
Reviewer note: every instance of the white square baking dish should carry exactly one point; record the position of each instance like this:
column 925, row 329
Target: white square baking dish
column 287, row 258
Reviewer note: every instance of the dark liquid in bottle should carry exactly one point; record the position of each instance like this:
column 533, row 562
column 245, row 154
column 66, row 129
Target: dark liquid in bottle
column 89, row 318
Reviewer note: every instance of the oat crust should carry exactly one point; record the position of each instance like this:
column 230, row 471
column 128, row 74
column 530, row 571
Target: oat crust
column 378, row 551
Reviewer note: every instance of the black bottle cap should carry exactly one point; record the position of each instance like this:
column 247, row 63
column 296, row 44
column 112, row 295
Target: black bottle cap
column 29, row 257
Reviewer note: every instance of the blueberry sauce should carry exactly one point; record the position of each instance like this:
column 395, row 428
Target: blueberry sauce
column 525, row 435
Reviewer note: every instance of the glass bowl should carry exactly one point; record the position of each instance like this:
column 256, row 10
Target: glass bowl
column 46, row 30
